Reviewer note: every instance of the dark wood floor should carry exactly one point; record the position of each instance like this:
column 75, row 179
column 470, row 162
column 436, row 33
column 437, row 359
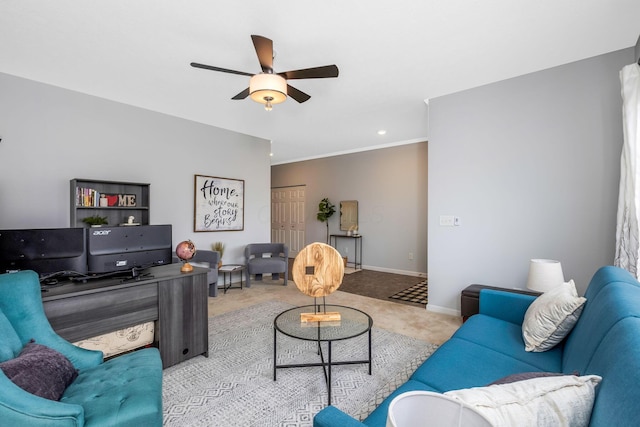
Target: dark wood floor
column 376, row 284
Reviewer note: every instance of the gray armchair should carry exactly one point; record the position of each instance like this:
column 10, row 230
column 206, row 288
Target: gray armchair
column 207, row 259
column 266, row 258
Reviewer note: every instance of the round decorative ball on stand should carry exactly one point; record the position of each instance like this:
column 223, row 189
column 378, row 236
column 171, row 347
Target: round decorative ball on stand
column 185, row 251
column 318, row 270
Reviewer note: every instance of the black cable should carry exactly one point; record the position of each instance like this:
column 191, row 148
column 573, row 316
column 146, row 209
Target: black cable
column 66, row 273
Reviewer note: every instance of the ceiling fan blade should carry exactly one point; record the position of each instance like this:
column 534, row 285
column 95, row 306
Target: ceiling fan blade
column 312, row 73
column 224, row 70
column 242, row 95
column 264, row 49
column 297, row 94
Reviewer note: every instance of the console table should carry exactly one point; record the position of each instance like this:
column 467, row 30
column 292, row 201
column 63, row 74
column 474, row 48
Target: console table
column 357, row 243
column 175, row 301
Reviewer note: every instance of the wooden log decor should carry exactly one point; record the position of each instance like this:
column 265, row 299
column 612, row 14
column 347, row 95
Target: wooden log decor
column 318, row 270
column 330, row 316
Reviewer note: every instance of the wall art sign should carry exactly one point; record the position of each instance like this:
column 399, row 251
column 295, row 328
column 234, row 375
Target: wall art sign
column 219, row 204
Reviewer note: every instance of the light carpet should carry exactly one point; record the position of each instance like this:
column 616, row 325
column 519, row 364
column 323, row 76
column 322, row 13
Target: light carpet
column 234, row 386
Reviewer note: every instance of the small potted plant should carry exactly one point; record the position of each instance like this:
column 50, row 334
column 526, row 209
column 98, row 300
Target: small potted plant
column 95, row 220
column 325, row 210
column 219, row 246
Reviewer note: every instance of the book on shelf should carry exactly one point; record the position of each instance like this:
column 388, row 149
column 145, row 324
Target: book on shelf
column 87, row 197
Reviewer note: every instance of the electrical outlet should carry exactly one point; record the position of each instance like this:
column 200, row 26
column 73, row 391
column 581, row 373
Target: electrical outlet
column 410, row 256
column 447, row 220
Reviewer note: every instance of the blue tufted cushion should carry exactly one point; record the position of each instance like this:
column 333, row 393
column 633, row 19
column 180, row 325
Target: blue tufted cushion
column 506, row 338
column 122, row 391
column 460, row 363
column 10, row 344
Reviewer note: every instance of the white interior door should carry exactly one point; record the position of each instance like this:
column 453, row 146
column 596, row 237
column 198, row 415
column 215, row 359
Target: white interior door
column 278, row 222
column 288, row 217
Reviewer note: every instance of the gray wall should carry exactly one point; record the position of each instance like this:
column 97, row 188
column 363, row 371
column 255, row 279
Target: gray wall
column 531, row 166
column 51, row 135
column 390, row 187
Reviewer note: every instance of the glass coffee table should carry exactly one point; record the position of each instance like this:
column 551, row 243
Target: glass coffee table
column 353, row 323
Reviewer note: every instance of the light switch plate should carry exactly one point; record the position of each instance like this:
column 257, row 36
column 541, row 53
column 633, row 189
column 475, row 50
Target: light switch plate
column 446, row 220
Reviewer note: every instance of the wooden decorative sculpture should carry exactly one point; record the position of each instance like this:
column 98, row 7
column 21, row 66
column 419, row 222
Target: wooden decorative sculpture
column 317, row 271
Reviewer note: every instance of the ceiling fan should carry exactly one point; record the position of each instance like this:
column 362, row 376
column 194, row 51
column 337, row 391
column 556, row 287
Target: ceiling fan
column 269, row 87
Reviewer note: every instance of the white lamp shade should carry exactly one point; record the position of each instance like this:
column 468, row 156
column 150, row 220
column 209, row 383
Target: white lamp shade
column 425, row 408
column 268, row 87
column 544, row 274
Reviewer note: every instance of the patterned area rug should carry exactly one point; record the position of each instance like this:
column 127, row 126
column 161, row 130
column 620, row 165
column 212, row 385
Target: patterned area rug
column 234, row 386
column 417, row 293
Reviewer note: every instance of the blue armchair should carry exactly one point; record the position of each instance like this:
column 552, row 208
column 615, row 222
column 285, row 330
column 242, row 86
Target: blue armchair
column 124, row 391
column 267, row 258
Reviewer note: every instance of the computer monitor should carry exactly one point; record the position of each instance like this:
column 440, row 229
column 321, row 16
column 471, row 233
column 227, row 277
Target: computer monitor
column 113, row 249
column 47, row 251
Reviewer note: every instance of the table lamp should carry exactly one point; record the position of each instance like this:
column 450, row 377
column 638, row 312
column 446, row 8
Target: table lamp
column 544, row 274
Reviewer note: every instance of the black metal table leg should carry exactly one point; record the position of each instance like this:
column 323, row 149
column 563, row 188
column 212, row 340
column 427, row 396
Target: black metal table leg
column 369, row 351
column 329, row 374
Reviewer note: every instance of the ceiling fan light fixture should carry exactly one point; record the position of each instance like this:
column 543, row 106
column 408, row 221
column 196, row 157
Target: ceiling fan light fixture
column 268, row 106
column 268, row 89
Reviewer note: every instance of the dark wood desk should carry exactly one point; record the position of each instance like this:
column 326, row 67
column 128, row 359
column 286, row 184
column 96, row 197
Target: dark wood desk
column 175, row 301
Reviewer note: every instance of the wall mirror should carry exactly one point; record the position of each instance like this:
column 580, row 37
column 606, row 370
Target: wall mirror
column 348, row 215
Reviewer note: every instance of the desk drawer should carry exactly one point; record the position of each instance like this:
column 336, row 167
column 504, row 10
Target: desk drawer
column 83, row 316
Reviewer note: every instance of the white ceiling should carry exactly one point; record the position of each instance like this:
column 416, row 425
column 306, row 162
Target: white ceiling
column 392, row 55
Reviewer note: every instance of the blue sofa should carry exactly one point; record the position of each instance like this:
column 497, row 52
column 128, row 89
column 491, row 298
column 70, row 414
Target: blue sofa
column 124, row 391
column 605, row 341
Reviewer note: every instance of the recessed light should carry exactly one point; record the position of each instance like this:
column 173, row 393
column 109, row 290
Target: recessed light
column 382, row 132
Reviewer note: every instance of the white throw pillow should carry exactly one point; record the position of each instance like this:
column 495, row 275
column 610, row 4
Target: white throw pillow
column 551, row 317
column 546, row 401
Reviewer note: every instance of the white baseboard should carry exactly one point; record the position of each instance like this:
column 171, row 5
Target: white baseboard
column 443, row 310
column 394, row 271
